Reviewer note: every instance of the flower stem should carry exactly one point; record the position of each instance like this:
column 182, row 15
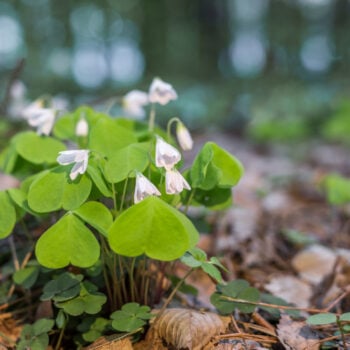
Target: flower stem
column 131, row 278
column 124, row 194
column 152, row 117
column 168, row 128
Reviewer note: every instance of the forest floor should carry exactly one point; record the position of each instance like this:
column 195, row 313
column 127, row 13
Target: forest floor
column 283, row 237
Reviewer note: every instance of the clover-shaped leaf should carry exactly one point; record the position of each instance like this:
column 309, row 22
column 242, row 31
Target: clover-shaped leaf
column 213, row 167
column 238, row 289
column 88, row 301
column 27, row 276
column 154, row 228
column 52, row 190
column 97, row 215
column 64, row 287
column 8, row 215
column 106, row 137
column 196, row 257
column 125, row 160
column 37, row 149
column 131, row 317
column 322, row 318
column 66, row 242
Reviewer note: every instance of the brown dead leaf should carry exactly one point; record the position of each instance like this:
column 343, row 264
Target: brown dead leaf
column 111, row 343
column 188, row 329
column 314, row 263
column 291, row 289
column 296, row 335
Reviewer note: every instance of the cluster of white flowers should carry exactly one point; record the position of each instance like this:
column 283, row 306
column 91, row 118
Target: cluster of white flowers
column 159, row 92
column 167, row 157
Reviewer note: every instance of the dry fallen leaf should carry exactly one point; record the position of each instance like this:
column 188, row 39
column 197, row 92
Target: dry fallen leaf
column 291, row 289
column 110, row 343
column 296, row 335
column 188, row 329
column 314, row 263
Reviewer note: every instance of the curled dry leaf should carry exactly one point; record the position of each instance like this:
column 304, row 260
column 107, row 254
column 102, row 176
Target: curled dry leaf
column 188, row 329
column 296, row 335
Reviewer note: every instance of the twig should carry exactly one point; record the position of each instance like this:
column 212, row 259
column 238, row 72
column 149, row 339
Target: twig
column 13, row 77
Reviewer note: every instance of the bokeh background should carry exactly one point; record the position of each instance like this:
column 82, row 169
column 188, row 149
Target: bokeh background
column 275, row 69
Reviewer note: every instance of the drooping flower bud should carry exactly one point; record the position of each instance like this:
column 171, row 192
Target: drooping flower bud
column 144, row 188
column 82, row 128
column 183, row 137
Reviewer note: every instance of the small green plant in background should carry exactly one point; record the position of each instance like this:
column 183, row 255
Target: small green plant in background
column 114, row 211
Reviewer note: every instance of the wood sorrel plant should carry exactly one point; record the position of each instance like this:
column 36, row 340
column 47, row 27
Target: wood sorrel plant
column 116, row 201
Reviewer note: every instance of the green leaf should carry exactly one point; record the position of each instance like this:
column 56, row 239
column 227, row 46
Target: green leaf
column 249, row 294
column 53, row 190
column 223, row 306
column 27, row 276
column 130, row 317
column 213, row 167
column 216, row 199
column 233, row 288
column 345, row 317
column 8, row 159
column 212, row 271
column 88, row 301
column 96, row 329
column 37, row 149
column 337, row 189
column 98, row 180
column 154, row 228
column 107, row 137
column 194, row 257
column 64, row 287
column 43, row 325
column 321, row 319
column 7, row 215
column 125, row 160
column 97, row 215
column 68, row 241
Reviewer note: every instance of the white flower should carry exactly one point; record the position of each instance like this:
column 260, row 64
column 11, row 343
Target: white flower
column 161, row 92
column 82, row 127
column 43, row 119
column 166, row 155
column 33, row 109
column 184, row 137
column 133, row 103
column 175, row 182
column 79, row 157
column 144, row 188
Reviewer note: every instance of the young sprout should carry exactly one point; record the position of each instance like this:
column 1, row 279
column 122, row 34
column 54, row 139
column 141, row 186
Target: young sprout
column 175, row 182
column 144, row 188
column 82, row 127
column 183, row 137
column 133, row 103
column 166, row 155
column 161, row 92
column 79, row 157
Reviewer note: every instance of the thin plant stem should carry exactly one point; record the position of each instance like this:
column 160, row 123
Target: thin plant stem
column 131, row 278
column 189, row 200
column 14, row 253
column 114, row 198
column 152, row 117
column 124, row 293
column 124, row 194
column 341, row 332
column 60, row 337
column 111, row 102
column 104, row 256
column 171, row 296
column 168, row 128
column 143, row 277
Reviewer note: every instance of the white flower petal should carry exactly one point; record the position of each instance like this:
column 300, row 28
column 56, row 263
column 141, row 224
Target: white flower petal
column 166, row 155
column 161, row 92
column 175, row 182
column 144, row 188
column 133, row 103
column 79, row 157
column 32, row 109
column 184, row 137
